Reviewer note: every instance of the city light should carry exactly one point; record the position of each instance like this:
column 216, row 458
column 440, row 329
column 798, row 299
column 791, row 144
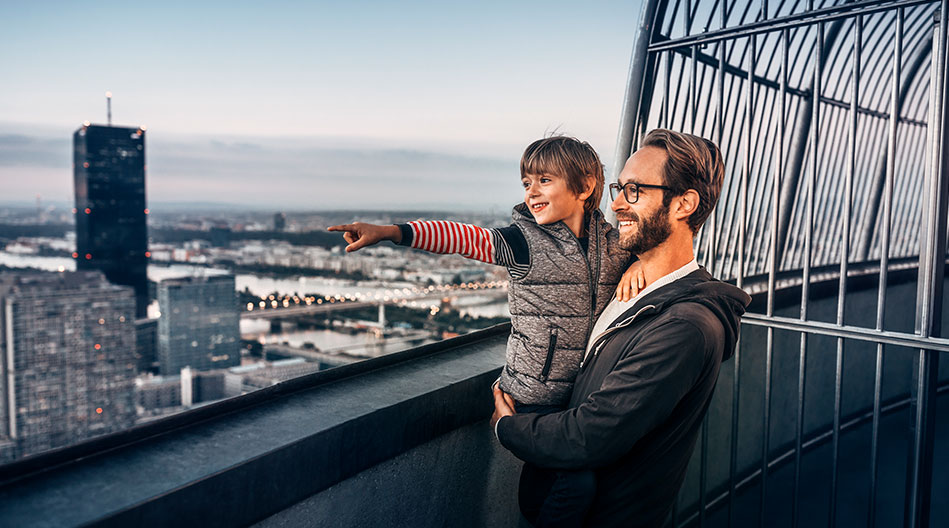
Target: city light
column 250, row 307
column 98, row 410
column 97, row 346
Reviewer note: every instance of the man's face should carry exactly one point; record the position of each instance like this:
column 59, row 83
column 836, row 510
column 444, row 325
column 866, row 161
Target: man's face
column 645, row 224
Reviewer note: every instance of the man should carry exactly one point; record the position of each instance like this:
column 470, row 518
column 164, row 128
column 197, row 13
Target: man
column 651, row 363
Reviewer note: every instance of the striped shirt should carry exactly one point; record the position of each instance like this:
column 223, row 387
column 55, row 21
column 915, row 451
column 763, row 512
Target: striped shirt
column 505, row 246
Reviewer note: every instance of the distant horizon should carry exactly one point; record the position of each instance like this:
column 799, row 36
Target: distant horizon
column 313, row 105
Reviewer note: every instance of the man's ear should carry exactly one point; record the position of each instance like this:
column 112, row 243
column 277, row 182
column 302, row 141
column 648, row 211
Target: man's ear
column 685, row 205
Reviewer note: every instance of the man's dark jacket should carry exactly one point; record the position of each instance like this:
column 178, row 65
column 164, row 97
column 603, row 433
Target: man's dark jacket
column 639, row 400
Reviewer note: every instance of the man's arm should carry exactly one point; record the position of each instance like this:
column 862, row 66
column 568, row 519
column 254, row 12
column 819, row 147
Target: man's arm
column 639, row 394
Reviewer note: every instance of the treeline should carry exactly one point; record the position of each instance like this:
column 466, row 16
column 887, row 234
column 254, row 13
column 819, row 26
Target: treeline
column 10, row 232
column 307, row 238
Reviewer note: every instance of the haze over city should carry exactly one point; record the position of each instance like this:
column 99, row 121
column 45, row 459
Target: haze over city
column 311, row 106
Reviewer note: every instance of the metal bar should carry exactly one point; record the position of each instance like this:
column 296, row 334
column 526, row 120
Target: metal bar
column 796, row 166
column 733, row 460
column 693, row 93
column 746, row 169
column 690, row 100
column 635, row 83
column 799, row 427
column 844, row 258
column 665, row 101
column 807, row 18
column 812, row 174
column 815, row 441
column 709, row 60
column 848, row 332
column 875, row 435
column 885, row 258
column 929, row 312
column 766, row 427
column 719, row 140
column 877, row 186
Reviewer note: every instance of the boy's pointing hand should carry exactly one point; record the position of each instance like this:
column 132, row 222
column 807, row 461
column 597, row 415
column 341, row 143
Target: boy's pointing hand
column 359, row 234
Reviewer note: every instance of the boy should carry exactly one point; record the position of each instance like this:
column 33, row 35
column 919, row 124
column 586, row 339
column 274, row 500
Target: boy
column 565, row 263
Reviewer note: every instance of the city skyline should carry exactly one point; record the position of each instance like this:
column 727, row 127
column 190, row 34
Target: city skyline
column 403, row 98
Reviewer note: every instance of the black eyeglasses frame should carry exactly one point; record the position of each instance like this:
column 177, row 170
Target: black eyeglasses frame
column 633, row 186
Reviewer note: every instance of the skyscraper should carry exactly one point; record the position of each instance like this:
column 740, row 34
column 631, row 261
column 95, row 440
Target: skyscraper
column 68, row 344
column 111, row 235
column 199, row 325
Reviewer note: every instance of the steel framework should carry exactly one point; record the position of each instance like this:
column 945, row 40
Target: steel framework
column 831, row 116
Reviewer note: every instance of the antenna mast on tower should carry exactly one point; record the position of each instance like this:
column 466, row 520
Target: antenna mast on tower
column 108, row 104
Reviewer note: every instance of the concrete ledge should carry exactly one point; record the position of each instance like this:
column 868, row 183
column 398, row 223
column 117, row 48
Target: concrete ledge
column 248, row 464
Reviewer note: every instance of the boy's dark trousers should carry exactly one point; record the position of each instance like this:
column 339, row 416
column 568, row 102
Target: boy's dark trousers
column 554, row 497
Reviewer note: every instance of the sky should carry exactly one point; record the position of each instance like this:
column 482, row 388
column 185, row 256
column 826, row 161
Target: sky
column 311, row 105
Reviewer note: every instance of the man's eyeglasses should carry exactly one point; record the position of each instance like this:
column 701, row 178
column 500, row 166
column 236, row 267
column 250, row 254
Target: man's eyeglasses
column 631, row 190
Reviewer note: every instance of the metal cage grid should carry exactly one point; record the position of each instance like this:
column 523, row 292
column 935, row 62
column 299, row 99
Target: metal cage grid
column 820, row 179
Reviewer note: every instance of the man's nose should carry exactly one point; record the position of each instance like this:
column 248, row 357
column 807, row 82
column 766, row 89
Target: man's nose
column 619, row 202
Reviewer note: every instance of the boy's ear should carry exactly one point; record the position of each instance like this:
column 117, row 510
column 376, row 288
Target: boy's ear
column 589, row 185
column 686, row 204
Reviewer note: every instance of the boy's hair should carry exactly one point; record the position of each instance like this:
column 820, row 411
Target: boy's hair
column 691, row 163
column 568, row 158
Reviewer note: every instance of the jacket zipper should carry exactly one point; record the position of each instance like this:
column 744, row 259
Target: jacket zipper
column 595, row 349
column 550, row 355
column 590, row 283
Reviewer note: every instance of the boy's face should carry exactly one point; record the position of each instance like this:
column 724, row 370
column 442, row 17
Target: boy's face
column 550, row 200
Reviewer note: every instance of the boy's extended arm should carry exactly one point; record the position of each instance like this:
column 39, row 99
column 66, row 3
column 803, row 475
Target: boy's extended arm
column 504, row 247
column 359, row 235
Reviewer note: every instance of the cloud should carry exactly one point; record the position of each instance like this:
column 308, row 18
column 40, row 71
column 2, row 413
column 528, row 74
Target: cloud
column 291, row 173
column 18, row 150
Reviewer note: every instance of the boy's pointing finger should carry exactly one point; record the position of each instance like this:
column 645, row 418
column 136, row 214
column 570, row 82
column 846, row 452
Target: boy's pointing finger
column 344, row 227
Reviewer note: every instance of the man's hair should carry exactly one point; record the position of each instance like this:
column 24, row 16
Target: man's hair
column 568, row 158
column 691, row 163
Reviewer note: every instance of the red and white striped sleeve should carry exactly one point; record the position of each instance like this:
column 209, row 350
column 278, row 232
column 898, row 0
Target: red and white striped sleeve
column 441, row 236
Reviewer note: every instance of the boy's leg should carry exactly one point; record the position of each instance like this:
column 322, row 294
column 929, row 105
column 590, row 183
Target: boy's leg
column 568, row 500
column 532, row 491
column 554, row 498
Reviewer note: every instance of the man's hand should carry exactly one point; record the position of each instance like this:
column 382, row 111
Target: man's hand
column 359, row 234
column 503, row 405
column 632, row 282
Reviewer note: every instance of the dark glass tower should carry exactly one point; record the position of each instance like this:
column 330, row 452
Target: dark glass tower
column 109, row 173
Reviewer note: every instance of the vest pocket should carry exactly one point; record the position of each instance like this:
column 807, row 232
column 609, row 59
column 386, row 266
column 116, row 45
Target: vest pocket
column 551, row 347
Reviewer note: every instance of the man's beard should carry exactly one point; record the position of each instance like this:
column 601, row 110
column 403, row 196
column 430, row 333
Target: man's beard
column 651, row 232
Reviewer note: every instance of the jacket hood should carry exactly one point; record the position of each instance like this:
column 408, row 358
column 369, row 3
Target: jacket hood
column 727, row 302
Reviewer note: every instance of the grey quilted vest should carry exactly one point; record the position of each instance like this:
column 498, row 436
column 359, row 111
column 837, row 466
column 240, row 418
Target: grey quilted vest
column 553, row 307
